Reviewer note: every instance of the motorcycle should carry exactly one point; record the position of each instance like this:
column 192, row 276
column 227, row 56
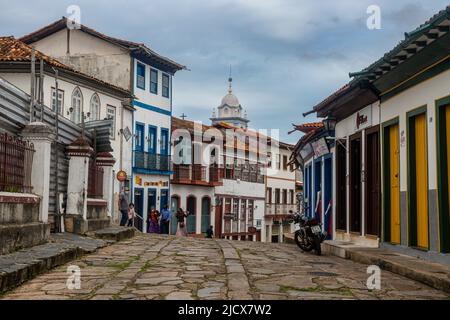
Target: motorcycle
column 308, row 235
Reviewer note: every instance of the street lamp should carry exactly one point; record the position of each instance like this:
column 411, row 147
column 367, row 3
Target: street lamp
column 330, row 123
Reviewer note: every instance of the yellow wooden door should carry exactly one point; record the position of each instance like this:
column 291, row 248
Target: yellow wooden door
column 447, row 124
column 394, row 183
column 421, row 180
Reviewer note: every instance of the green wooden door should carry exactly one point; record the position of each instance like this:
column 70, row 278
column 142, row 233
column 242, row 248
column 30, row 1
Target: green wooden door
column 206, row 214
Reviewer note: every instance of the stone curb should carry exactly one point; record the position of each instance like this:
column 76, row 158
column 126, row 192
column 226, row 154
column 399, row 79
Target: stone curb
column 441, row 282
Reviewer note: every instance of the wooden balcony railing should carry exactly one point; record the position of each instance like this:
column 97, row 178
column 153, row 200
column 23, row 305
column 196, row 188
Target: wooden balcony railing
column 197, row 174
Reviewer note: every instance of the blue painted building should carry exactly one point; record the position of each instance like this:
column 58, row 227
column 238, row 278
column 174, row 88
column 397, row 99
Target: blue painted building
column 313, row 154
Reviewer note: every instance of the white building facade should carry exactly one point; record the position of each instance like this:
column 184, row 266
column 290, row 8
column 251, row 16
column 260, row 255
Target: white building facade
column 148, row 76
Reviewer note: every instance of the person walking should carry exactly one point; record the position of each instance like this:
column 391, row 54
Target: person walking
column 131, row 215
column 153, row 226
column 123, row 207
column 210, row 232
column 165, row 220
column 181, row 219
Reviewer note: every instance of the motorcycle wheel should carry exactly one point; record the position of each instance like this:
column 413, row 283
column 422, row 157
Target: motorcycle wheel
column 300, row 241
column 317, row 246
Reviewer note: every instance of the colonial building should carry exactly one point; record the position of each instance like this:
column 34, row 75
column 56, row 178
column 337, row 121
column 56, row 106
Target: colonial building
column 85, row 101
column 148, row 75
column 194, row 179
column 281, row 194
column 236, row 179
column 355, row 111
column 391, row 146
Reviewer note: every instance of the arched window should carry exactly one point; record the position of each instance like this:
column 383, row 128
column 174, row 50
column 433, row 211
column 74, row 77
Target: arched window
column 94, row 107
column 77, row 105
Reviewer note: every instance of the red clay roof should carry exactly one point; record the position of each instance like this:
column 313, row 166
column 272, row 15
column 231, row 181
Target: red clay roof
column 308, row 127
column 13, row 50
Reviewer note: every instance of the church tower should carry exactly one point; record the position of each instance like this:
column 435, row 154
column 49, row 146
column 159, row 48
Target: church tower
column 230, row 110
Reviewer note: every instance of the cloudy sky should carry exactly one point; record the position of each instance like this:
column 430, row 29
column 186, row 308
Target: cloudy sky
column 286, row 55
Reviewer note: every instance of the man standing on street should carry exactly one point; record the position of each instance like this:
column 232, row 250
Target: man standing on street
column 123, row 207
column 165, row 219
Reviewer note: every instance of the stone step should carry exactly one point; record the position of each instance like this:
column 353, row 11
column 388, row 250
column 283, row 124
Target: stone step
column 24, row 265
column 435, row 275
column 114, row 233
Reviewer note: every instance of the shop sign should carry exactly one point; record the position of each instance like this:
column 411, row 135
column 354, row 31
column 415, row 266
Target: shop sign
column 363, row 118
column 121, row 176
column 320, row 147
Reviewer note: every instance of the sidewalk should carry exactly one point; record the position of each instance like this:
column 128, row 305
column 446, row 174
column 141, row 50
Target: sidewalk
column 23, row 265
column 430, row 273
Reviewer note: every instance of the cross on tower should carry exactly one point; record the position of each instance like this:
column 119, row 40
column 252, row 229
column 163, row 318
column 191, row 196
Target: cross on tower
column 183, row 116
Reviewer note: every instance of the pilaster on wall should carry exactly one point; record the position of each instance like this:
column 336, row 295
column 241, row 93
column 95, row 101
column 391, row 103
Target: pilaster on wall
column 79, row 153
column 42, row 136
column 106, row 160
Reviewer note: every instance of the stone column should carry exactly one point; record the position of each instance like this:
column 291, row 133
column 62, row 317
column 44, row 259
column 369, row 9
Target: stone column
column 79, row 153
column 106, row 160
column 42, row 136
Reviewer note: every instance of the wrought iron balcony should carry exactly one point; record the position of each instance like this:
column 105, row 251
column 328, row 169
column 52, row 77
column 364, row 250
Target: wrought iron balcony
column 151, row 161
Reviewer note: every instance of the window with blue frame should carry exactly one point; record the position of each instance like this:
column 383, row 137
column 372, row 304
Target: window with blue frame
column 165, row 85
column 164, row 141
column 154, row 81
column 139, row 143
column 151, row 139
column 140, row 76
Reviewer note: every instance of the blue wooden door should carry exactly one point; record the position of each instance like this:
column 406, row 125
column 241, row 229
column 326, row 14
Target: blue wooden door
column 164, row 198
column 139, row 143
column 317, row 209
column 151, row 140
column 164, row 141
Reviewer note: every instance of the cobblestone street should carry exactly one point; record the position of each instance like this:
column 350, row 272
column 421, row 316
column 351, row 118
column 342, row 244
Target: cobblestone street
column 158, row 267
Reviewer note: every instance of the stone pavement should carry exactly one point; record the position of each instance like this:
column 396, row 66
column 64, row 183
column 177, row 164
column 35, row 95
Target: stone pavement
column 165, row 267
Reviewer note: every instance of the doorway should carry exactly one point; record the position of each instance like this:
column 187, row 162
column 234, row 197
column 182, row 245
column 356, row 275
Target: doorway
column 355, row 183
column 327, row 196
column 391, row 178
column 443, row 144
column 418, row 179
column 341, row 185
column 317, row 206
column 174, row 208
column 191, row 207
column 139, row 208
column 372, row 185
column 164, row 198
column 206, row 213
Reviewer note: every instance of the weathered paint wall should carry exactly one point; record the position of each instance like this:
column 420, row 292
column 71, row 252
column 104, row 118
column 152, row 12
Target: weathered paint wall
column 90, row 55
